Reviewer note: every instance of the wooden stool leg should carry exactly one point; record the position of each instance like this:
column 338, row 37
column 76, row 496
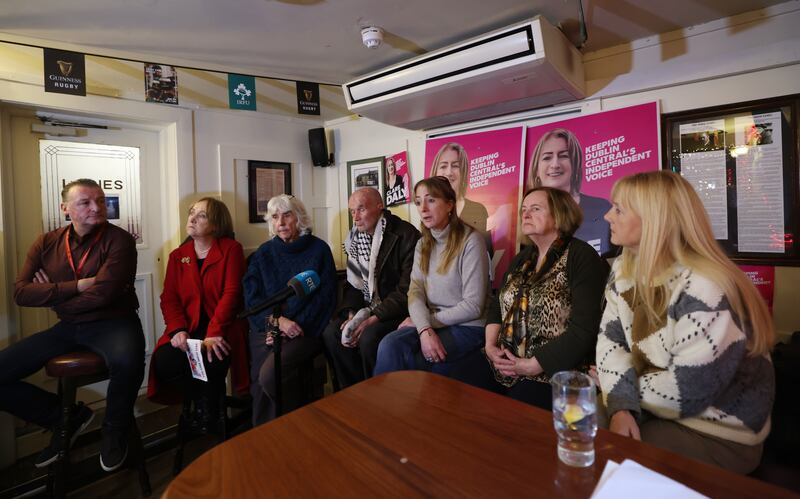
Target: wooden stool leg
column 183, row 422
column 137, row 449
column 58, row 470
column 222, row 422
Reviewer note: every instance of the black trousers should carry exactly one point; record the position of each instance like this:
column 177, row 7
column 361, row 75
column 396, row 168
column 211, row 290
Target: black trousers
column 352, row 365
column 294, row 351
column 172, row 368
column 476, row 371
column 119, row 341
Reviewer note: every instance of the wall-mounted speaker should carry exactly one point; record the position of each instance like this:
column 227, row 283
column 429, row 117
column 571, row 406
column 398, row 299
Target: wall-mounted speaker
column 318, row 145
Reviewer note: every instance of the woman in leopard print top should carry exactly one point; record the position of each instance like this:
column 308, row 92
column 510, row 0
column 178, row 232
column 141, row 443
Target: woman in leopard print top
column 547, row 313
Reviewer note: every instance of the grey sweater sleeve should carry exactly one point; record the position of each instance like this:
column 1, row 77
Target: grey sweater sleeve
column 417, row 297
column 473, row 267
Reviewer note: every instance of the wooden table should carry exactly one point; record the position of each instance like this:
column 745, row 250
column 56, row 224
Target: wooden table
column 415, row 434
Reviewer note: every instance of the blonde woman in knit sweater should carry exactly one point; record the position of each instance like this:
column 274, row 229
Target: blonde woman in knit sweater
column 683, row 352
column 447, row 294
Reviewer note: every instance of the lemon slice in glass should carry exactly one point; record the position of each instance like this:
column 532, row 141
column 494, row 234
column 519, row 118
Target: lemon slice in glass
column 573, row 413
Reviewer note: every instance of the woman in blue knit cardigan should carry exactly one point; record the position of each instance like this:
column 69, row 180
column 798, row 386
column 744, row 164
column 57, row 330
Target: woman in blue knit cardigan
column 292, row 249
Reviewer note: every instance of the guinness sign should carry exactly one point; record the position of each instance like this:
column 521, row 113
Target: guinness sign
column 64, row 72
column 307, row 98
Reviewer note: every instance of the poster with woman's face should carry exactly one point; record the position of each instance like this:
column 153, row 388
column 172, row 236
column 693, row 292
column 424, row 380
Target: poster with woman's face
column 396, row 181
column 586, row 155
column 484, row 170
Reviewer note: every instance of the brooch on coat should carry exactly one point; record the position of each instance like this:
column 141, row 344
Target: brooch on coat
column 186, row 259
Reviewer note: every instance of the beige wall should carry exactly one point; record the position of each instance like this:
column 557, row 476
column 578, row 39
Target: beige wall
column 124, row 79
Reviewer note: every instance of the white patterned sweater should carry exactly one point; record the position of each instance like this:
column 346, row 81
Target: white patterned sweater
column 692, row 368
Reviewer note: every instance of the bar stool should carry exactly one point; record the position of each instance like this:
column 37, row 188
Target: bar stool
column 74, row 370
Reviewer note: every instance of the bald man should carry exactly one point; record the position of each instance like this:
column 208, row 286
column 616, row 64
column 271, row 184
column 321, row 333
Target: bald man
column 380, row 253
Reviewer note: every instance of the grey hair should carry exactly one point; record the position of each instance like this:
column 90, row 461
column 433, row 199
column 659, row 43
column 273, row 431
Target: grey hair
column 283, row 203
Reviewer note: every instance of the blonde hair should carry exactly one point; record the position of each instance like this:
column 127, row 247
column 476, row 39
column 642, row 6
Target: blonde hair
column 439, row 187
column 575, row 160
column 284, row 203
column 463, row 161
column 676, row 228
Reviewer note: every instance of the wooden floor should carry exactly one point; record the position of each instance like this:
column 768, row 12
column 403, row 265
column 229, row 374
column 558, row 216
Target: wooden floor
column 125, row 485
column 24, row 480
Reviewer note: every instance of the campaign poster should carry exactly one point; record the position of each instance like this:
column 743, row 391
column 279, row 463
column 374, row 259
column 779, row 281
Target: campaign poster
column 587, row 154
column 396, row 183
column 161, row 83
column 484, row 170
column 763, row 277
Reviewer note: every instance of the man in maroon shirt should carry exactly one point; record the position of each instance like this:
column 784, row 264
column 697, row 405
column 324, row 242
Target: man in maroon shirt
column 84, row 272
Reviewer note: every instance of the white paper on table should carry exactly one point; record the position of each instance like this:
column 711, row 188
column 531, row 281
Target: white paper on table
column 195, row 355
column 611, row 467
column 631, row 479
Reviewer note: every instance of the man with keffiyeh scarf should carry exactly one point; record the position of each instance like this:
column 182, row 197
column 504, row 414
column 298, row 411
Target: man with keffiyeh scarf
column 380, row 253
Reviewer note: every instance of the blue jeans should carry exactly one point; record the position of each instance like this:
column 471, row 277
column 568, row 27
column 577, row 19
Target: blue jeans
column 401, row 351
column 119, row 341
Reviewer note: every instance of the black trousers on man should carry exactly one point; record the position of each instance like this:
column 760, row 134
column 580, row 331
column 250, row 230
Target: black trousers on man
column 352, row 365
column 119, row 341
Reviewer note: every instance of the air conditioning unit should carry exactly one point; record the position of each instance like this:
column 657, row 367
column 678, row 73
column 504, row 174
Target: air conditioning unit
column 524, row 66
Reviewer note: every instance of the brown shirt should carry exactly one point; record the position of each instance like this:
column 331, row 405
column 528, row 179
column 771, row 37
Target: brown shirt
column 111, row 261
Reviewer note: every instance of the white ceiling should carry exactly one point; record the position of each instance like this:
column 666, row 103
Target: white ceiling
column 319, row 40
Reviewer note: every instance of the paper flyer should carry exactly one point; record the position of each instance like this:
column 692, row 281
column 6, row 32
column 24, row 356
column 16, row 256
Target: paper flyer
column 195, row 355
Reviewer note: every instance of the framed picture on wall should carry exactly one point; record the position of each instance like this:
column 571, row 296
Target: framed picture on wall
column 742, row 161
column 266, row 179
column 364, row 173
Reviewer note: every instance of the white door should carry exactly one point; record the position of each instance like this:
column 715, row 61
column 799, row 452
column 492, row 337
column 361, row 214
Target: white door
column 28, row 224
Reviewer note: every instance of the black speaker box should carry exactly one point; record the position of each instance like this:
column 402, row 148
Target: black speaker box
column 319, row 147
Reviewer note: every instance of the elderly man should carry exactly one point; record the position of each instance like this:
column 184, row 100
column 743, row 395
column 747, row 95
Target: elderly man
column 85, row 272
column 380, row 253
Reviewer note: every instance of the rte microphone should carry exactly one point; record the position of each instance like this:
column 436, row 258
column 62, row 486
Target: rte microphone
column 301, row 285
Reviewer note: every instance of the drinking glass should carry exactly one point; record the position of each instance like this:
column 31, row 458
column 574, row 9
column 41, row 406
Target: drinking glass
column 574, row 417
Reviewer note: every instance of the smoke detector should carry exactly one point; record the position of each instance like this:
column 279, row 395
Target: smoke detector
column 372, row 36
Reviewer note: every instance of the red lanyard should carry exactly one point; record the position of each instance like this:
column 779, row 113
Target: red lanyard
column 78, row 271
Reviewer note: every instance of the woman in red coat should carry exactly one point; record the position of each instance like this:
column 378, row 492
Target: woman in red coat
column 202, row 295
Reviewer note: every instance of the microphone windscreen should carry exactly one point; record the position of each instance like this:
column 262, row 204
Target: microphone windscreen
column 304, row 283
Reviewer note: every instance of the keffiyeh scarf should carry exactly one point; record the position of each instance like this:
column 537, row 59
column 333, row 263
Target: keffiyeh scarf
column 361, row 258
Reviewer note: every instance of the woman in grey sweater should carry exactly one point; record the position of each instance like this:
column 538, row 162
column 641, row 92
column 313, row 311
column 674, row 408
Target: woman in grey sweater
column 447, row 295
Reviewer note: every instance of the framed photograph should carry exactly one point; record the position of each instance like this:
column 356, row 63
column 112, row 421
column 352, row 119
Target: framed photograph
column 742, row 160
column 266, row 179
column 364, row 173
column 161, row 83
